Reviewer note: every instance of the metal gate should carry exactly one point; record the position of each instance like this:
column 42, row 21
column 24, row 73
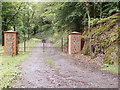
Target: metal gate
column 64, row 45
column 27, row 45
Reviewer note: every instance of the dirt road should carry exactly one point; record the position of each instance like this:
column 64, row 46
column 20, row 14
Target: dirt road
column 48, row 69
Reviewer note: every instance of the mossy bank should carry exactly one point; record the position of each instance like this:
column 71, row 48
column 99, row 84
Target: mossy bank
column 103, row 38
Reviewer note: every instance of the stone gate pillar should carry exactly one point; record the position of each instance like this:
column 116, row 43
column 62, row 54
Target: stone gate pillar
column 10, row 43
column 74, row 46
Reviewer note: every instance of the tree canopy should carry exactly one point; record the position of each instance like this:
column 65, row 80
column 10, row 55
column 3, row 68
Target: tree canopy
column 31, row 18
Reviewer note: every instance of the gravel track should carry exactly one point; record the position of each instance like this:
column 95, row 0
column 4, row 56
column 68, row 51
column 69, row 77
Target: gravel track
column 48, row 69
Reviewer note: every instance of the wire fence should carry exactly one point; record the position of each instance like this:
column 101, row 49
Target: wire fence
column 64, row 45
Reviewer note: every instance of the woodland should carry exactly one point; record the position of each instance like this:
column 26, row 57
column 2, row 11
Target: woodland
column 52, row 19
column 98, row 23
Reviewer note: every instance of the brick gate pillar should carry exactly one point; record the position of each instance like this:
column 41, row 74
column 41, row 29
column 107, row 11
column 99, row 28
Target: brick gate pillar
column 74, row 46
column 10, row 43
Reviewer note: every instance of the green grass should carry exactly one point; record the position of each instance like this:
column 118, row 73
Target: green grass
column 111, row 68
column 9, row 66
column 62, row 53
column 50, row 62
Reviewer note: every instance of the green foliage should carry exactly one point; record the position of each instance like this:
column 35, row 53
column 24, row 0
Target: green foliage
column 31, row 18
column 11, row 15
column 111, row 8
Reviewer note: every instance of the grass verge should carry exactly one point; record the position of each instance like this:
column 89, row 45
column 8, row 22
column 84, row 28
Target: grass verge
column 111, row 68
column 9, row 69
column 9, row 66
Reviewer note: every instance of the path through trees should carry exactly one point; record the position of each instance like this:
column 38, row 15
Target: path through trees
column 49, row 69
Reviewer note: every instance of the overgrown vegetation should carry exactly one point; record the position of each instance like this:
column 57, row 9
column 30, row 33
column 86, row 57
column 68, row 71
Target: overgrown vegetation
column 105, row 37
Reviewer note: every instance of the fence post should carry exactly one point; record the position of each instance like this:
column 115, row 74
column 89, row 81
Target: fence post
column 10, row 43
column 62, row 44
column 74, row 43
column 67, row 44
column 24, row 43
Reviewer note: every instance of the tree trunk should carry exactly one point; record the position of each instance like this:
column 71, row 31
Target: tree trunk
column 14, row 27
column 88, row 15
column 100, row 10
column 4, row 28
column 28, row 33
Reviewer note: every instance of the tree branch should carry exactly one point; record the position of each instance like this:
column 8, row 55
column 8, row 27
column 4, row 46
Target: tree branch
column 15, row 14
